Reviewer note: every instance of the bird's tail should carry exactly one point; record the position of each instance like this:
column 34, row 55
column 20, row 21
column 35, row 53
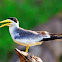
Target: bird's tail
column 53, row 37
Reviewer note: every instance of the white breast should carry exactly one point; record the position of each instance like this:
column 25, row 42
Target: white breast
column 11, row 31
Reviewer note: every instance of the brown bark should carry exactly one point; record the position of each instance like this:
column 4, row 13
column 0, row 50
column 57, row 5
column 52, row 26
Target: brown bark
column 26, row 57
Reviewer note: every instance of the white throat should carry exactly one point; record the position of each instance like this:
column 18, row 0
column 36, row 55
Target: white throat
column 12, row 28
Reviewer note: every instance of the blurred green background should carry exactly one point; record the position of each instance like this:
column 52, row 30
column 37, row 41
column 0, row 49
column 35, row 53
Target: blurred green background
column 30, row 13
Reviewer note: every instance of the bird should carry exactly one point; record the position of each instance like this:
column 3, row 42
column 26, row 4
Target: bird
column 26, row 37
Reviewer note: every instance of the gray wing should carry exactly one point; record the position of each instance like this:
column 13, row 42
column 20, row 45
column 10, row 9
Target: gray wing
column 26, row 34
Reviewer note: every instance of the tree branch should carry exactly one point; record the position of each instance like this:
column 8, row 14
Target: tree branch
column 26, row 57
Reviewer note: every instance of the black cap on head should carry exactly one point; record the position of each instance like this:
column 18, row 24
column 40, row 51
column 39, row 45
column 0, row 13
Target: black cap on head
column 13, row 19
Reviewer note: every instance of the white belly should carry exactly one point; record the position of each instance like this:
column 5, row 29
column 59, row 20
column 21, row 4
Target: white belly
column 27, row 41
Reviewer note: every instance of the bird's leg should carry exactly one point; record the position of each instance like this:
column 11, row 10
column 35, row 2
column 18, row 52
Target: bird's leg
column 27, row 47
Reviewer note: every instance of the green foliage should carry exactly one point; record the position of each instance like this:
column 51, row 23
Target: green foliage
column 29, row 13
column 60, row 58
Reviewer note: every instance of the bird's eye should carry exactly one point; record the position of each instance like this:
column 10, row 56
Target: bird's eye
column 8, row 22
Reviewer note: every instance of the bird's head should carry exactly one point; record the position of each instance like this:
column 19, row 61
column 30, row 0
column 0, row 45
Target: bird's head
column 12, row 21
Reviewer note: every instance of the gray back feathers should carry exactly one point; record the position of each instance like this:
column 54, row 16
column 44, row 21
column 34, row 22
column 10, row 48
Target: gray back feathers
column 25, row 34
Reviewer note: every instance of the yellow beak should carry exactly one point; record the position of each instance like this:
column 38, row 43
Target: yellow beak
column 5, row 22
